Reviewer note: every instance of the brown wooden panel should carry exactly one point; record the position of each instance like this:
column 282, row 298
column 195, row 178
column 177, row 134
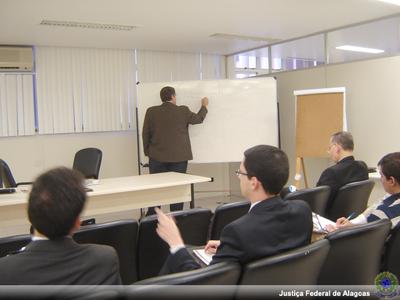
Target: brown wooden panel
column 318, row 117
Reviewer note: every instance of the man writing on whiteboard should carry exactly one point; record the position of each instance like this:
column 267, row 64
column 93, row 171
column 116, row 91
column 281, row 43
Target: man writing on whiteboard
column 166, row 136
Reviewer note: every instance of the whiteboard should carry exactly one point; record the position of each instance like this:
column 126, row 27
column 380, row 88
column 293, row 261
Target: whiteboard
column 241, row 113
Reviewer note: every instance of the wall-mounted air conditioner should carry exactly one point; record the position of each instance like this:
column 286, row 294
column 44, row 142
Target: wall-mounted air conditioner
column 16, row 59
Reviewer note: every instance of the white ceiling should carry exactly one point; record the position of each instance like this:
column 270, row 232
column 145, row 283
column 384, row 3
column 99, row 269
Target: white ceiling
column 179, row 25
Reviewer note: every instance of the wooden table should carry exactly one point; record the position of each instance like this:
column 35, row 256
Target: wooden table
column 109, row 196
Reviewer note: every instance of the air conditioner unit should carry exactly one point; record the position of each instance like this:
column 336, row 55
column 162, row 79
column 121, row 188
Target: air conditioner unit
column 16, row 59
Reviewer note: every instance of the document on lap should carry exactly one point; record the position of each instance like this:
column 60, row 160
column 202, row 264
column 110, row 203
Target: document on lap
column 203, row 256
column 89, row 182
column 320, row 223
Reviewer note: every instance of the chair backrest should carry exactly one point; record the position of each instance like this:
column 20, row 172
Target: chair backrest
column 225, row 273
column 300, row 266
column 153, row 251
column 12, row 244
column 391, row 261
column 355, row 254
column 88, row 162
column 6, row 178
column 122, row 235
column 351, row 198
column 224, row 276
column 317, row 198
column 225, row 214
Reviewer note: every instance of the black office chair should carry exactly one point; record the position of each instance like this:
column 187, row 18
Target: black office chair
column 88, row 162
column 225, row 273
column 351, row 198
column 317, row 198
column 300, row 266
column 37, row 292
column 225, row 214
column 164, row 287
column 153, row 251
column 391, row 261
column 122, row 235
column 12, row 244
column 355, row 254
column 6, row 177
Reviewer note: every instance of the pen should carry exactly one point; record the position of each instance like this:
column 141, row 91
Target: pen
column 350, row 216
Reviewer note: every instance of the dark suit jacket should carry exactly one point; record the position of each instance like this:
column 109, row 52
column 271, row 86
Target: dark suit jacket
column 61, row 262
column 165, row 132
column 272, row 226
column 345, row 171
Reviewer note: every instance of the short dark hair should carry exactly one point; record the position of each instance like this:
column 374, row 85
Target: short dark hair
column 390, row 165
column 270, row 165
column 57, row 198
column 166, row 93
column 344, row 139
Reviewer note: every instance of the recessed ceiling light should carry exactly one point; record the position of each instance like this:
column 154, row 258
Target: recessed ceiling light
column 87, row 25
column 395, row 2
column 360, row 49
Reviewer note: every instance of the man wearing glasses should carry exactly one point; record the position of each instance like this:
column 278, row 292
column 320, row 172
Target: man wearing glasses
column 346, row 169
column 271, row 226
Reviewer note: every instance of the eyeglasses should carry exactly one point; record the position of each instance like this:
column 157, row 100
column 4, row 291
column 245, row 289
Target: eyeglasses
column 238, row 173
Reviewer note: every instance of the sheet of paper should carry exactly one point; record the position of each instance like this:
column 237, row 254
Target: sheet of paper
column 205, row 257
column 320, row 223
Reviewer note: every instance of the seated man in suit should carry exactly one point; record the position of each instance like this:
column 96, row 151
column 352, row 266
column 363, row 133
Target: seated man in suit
column 346, row 169
column 389, row 207
column 53, row 257
column 271, row 226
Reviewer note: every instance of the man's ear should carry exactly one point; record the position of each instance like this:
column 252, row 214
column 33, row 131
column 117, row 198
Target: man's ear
column 392, row 181
column 254, row 183
column 77, row 225
column 339, row 149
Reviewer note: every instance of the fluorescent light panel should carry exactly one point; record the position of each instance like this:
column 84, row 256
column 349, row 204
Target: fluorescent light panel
column 360, row 49
column 87, row 25
column 395, row 2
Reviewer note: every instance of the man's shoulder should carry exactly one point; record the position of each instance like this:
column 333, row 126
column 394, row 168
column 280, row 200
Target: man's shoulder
column 362, row 164
column 153, row 108
column 99, row 250
column 184, row 108
column 298, row 206
column 356, row 165
column 13, row 260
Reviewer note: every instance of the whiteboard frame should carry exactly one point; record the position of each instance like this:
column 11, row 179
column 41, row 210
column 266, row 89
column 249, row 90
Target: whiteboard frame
column 139, row 146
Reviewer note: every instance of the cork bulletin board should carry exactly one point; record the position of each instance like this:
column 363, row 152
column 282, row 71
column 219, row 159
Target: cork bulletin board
column 319, row 114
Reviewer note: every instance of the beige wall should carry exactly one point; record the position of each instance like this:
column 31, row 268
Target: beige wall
column 373, row 105
column 30, row 155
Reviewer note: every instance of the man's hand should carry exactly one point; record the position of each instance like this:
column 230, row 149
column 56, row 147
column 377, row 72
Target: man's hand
column 340, row 223
column 330, row 228
column 343, row 222
column 212, row 246
column 204, row 101
column 167, row 229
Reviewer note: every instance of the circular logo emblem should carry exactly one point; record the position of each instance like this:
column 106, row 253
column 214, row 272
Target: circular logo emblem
column 386, row 283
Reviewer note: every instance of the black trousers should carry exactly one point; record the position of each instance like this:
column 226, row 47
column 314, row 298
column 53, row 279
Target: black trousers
column 161, row 167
